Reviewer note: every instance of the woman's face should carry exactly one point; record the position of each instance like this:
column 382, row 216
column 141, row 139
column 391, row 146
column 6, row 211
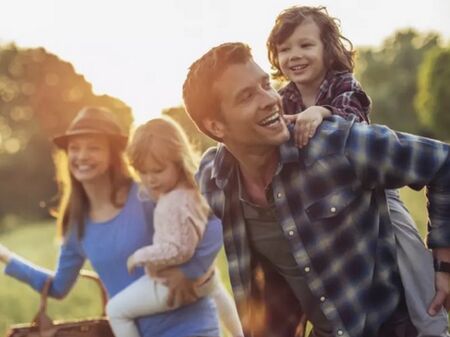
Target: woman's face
column 89, row 157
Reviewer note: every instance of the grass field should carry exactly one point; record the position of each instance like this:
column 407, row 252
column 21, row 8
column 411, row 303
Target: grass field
column 19, row 303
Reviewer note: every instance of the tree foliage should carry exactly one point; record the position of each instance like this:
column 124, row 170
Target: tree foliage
column 433, row 97
column 198, row 139
column 39, row 96
column 389, row 73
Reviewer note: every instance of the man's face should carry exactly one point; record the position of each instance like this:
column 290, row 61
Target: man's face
column 250, row 109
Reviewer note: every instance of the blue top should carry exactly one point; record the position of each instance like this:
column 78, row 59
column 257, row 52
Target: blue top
column 107, row 245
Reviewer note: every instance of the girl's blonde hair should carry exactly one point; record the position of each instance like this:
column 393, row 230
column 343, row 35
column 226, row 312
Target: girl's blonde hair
column 162, row 140
column 73, row 205
column 159, row 141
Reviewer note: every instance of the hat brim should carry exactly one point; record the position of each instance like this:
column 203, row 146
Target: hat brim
column 61, row 141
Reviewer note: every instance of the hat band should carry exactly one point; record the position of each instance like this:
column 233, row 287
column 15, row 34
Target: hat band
column 96, row 125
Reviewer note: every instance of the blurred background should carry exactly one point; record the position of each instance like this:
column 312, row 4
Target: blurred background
column 132, row 56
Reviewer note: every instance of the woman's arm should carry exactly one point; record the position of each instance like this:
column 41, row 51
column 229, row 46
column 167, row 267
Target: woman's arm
column 206, row 251
column 70, row 262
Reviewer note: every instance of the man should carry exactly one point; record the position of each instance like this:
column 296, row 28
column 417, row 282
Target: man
column 308, row 229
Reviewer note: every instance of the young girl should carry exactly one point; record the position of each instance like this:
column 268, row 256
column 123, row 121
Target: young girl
column 166, row 163
column 306, row 47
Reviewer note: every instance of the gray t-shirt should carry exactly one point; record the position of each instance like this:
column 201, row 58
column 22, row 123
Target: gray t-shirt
column 267, row 239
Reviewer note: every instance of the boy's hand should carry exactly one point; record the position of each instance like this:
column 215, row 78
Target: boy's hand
column 131, row 264
column 5, row 254
column 306, row 123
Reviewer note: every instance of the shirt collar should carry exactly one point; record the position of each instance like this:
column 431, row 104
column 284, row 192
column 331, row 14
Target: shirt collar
column 225, row 165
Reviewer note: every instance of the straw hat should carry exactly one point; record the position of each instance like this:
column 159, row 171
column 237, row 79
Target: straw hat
column 93, row 120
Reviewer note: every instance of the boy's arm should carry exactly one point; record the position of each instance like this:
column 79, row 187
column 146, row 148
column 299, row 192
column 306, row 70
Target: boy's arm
column 349, row 101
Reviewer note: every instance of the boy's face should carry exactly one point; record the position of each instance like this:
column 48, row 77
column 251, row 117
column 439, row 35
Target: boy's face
column 301, row 56
column 251, row 113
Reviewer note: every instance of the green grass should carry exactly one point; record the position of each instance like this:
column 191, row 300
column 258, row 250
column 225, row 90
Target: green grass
column 19, row 303
column 416, row 204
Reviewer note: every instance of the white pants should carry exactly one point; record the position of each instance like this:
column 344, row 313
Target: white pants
column 147, row 296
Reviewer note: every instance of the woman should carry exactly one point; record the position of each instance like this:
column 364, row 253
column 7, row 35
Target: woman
column 101, row 219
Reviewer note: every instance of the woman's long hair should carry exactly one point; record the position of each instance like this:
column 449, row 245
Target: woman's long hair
column 74, row 205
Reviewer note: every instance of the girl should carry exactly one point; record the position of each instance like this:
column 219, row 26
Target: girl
column 102, row 219
column 161, row 154
column 306, row 47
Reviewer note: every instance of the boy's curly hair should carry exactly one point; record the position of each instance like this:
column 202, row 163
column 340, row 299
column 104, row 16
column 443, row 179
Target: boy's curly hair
column 337, row 56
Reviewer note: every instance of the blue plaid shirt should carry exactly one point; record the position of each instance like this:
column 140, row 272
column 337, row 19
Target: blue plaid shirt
column 331, row 206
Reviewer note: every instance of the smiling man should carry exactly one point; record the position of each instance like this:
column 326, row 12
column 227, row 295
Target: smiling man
column 307, row 230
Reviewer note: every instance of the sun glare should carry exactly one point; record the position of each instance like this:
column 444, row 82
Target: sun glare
column 140, row 51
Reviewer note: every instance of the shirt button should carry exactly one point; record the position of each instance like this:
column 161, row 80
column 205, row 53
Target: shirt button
column 322, row 299
column 333, row 209
column 307, row 269
column 278, row 195
column 291, row 233
column 340, row 332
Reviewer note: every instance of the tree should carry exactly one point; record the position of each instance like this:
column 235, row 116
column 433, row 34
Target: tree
column 433, row 96
column 39, row 96
column 389, row 76
column 198, row 139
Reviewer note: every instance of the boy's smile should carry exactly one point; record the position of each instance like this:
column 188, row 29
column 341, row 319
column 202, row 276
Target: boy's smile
column 301, row 56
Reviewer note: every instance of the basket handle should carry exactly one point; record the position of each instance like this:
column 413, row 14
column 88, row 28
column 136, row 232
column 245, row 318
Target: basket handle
column 44, row 322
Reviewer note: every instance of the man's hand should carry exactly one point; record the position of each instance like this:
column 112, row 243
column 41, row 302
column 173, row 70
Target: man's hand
column 182, row 289
column 5, row 254
column 442, row 283
column 442, row 294
column 306, row 123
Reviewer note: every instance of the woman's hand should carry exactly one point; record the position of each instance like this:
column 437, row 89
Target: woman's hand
column 306, row 123
column 5, row 254
column 182, row 289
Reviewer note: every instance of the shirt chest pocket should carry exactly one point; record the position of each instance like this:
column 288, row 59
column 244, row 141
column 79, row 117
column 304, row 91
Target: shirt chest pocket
column 332, row 205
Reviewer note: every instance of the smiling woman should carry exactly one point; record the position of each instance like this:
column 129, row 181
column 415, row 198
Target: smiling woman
column 102, row 219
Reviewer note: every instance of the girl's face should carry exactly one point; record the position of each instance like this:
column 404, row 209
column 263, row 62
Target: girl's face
column 160, row 179
column 301, row 56
column 89, row 157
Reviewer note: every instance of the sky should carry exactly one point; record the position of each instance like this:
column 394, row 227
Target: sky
column 139, row 51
